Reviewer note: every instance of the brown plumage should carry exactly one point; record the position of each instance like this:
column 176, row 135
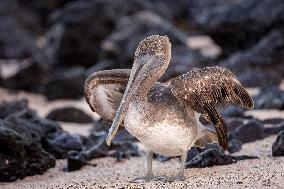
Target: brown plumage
column 111, row 84
column 164, row 117
column 204, row 89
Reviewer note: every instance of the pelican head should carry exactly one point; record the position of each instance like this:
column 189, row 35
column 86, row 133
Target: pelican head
column 152, row 58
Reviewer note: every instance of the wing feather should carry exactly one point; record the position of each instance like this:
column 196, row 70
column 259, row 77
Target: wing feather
column 205, row 89
column 104, row 91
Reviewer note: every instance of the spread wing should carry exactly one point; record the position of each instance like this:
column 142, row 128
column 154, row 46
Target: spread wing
column 104, row 91
column 205, row 89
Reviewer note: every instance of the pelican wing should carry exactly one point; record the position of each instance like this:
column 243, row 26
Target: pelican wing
column 104, row 91
column 204, row 89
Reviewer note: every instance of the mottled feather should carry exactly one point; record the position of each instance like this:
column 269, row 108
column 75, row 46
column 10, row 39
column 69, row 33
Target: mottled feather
column 104, row 90
column 205, row 89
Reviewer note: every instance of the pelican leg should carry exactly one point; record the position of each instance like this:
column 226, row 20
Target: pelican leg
column 149, row 175
column 180, row 176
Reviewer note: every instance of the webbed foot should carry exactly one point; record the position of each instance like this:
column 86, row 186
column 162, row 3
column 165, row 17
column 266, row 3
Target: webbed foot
column 148, row 178
column 179, row 177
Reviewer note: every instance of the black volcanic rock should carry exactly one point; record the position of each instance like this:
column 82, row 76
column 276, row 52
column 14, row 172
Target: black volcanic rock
column 121, row 44
column 209, row 158
column 85, row 24
column 63, row 143
column 261, row 65
column 122, row 147
column 29, row 78
column 265, row 57
column 18, row 29
column 234, row 146
column 21, row 150
column 66, row 83
column 16, row 41
column 69, row 114
column 249, row 132
column 232, row 111
column 273, row 121
column 234, row 123
column 270, row 98
column 8, row 108
column 244, row 22
column 275, row 129
column 278, row 145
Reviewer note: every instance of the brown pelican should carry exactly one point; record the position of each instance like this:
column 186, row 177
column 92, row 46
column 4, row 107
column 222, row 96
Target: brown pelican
column 164, row 117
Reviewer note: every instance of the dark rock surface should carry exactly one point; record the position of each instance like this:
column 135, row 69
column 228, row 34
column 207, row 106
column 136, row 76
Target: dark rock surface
column 121, row 44
column 273, row 121
column 8, row 108
column 244, row 22
column 30, row 78
column 278, row 145
column 235, row 145
column 66, row 83
column 232, row 111
column 270, row 98
column 15, row 41
column 69, row 114
column 209, row 158
column 275, row 129
column 85, row 24
column 21, row 150
column 234, row 123
column 249, row 132
column 63, row 143
column 122, row 147
column 264, row 57
column 16, row 30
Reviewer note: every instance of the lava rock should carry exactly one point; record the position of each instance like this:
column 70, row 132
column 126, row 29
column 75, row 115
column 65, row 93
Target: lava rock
column 244, row 22
column 278, row 145
column 30, row 78
column 27, row 122
column 75, row 161
column 8, row 108
column 16, row 30
column 15, row 41
column 273, row 121
column 65, row 83
column 121, row 44
column 41, row 9
column 86, row 23
column 209, row 158
column 249, row 132
column 69, row 114
column 275, row 129
column 21, row 152
column 270, row 98
column 264, row 57
column 232, row 111
column 101, row 125
column 234, row 145
column 122, row 147
column 25, row 18
column 233, row 123
column 63, row 143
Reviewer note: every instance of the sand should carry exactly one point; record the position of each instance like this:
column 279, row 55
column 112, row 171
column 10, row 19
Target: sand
column 265, row 172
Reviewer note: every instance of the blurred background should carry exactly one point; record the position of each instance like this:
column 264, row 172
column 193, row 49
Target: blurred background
column 49, row 47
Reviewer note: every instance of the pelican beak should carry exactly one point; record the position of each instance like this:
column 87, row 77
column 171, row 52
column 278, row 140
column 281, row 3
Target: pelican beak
column 130, row 90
